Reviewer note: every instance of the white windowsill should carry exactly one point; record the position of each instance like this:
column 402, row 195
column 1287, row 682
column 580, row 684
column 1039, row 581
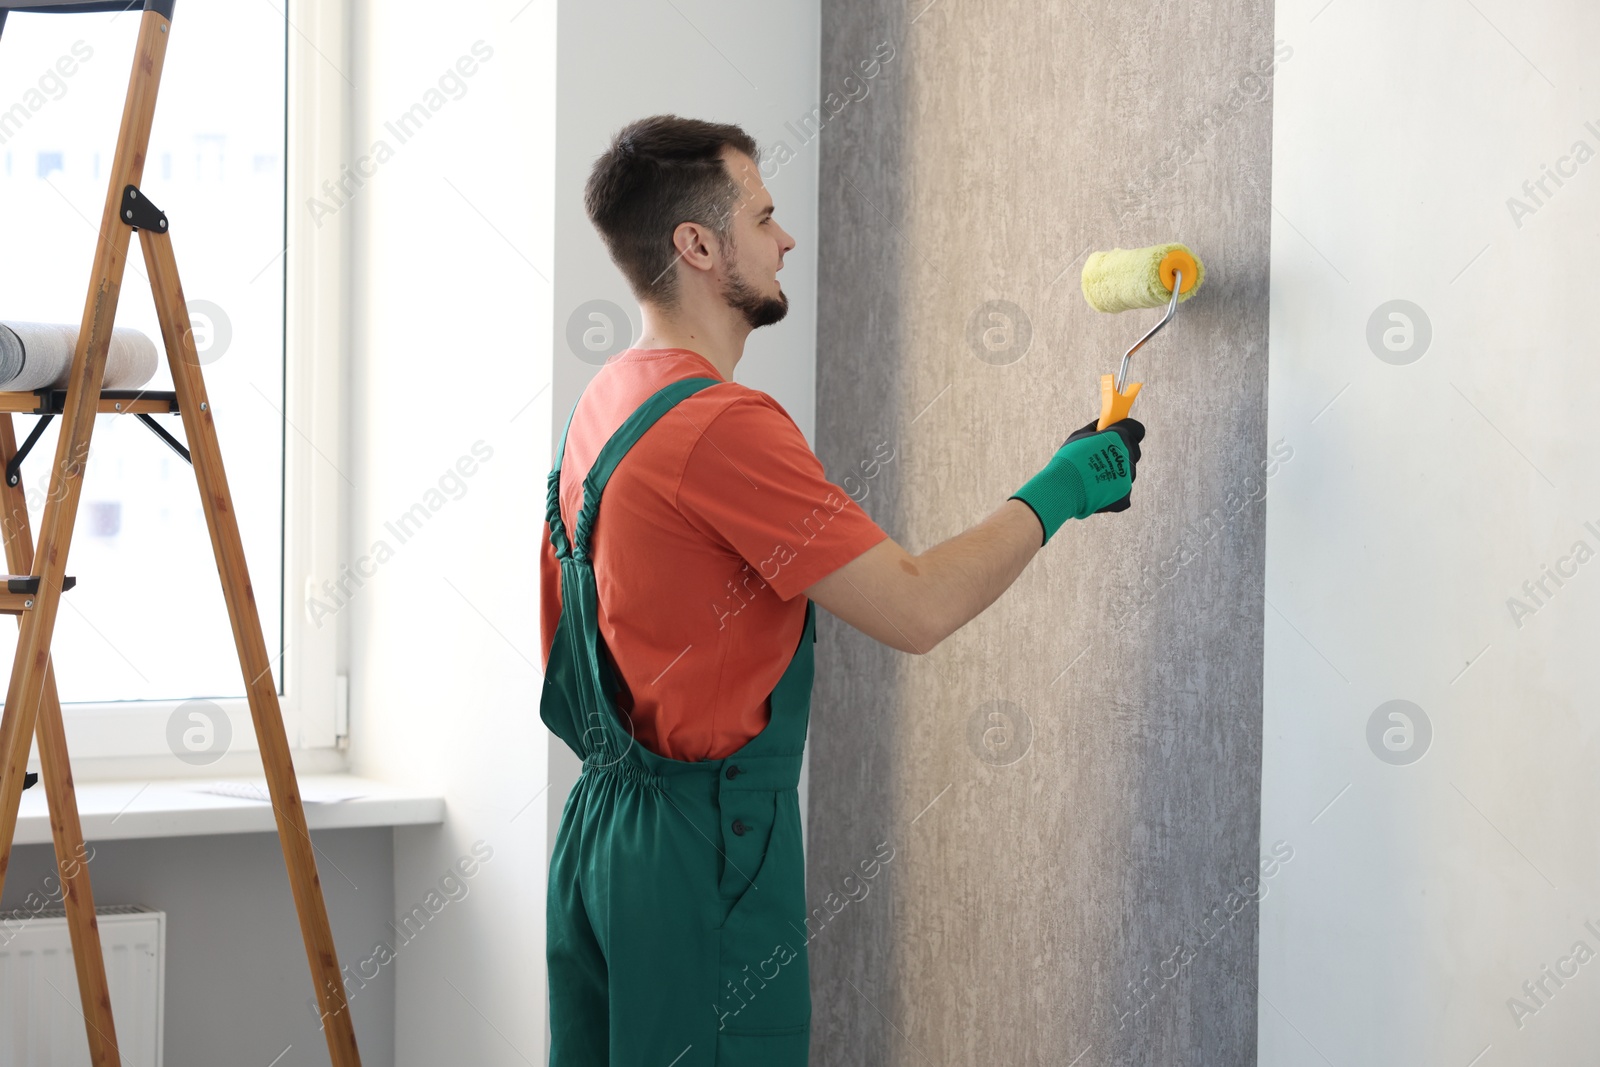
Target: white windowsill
column 120, row 810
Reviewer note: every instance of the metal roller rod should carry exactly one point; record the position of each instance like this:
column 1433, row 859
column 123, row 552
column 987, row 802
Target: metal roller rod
column 1172, row 309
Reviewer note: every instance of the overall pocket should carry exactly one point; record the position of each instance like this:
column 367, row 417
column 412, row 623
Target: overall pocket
column 764, row 987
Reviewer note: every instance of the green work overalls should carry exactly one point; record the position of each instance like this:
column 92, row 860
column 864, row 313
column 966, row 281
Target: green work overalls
column 676, row 912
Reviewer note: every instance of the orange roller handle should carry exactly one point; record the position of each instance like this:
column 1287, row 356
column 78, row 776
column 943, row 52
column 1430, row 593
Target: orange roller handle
column 1115, row 406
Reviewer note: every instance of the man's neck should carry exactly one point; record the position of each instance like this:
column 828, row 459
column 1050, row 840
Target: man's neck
column 719, row 338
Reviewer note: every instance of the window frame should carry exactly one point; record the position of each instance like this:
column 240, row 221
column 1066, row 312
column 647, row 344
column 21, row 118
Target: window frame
column 316, row 332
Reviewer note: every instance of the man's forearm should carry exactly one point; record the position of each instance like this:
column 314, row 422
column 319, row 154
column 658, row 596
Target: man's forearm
column 968, row 572
column 913, row 602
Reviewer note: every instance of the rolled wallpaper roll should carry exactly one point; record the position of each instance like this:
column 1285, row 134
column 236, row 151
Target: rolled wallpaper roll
column 38, row 355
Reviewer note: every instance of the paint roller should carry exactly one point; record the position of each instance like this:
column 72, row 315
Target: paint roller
column 1127, row 278
column 38, row 355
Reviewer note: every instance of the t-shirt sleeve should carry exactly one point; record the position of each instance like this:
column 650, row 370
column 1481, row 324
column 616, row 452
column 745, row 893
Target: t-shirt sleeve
column 752, row 482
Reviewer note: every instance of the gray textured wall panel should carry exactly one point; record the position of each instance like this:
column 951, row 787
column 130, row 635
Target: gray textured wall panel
column 1070, row 785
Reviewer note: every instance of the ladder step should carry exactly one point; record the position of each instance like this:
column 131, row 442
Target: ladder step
column 70, row 6
column 124, row 401
column 21, row 590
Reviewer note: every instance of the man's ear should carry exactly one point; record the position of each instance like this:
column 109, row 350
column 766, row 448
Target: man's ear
column 694, row 245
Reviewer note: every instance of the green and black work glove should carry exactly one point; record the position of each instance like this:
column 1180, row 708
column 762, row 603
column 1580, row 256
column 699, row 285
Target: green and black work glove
column 1093, row 471
column 1132, row 432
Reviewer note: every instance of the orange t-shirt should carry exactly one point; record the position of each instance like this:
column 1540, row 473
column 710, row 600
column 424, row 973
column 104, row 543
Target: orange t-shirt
column 708, row 530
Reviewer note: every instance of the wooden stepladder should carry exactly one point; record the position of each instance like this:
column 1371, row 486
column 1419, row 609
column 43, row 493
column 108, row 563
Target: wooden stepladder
column 38, row 578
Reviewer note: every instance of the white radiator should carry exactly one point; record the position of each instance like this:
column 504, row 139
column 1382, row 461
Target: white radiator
column 41, row 1015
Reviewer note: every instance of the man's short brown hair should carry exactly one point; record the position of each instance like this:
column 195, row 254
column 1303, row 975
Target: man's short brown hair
column 660, row 172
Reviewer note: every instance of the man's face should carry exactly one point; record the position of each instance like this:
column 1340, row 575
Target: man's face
column 756, row 248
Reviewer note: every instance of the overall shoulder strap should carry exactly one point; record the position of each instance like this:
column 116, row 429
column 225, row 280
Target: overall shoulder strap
column 552, row 494
column 594, row 483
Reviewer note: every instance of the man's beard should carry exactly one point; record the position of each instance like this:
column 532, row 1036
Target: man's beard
column 758, row 310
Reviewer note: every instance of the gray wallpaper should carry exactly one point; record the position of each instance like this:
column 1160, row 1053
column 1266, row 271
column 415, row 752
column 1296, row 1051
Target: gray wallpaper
column 1039, row 843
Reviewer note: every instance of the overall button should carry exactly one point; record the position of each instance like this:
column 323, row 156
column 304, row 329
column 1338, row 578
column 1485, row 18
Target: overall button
column 733, row 771
column 739, row 827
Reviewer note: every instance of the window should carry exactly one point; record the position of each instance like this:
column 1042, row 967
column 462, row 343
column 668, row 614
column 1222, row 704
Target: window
column 146, row 628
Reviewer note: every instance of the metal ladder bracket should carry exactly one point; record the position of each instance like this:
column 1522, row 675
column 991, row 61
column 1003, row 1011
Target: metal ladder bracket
column 138, row 212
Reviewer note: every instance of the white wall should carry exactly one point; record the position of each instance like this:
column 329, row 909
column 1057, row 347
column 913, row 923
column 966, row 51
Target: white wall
column 708, row 59
column 1420, row 497
column 451, row 313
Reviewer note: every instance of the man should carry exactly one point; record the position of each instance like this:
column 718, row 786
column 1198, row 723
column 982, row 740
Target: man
column 690, row 530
